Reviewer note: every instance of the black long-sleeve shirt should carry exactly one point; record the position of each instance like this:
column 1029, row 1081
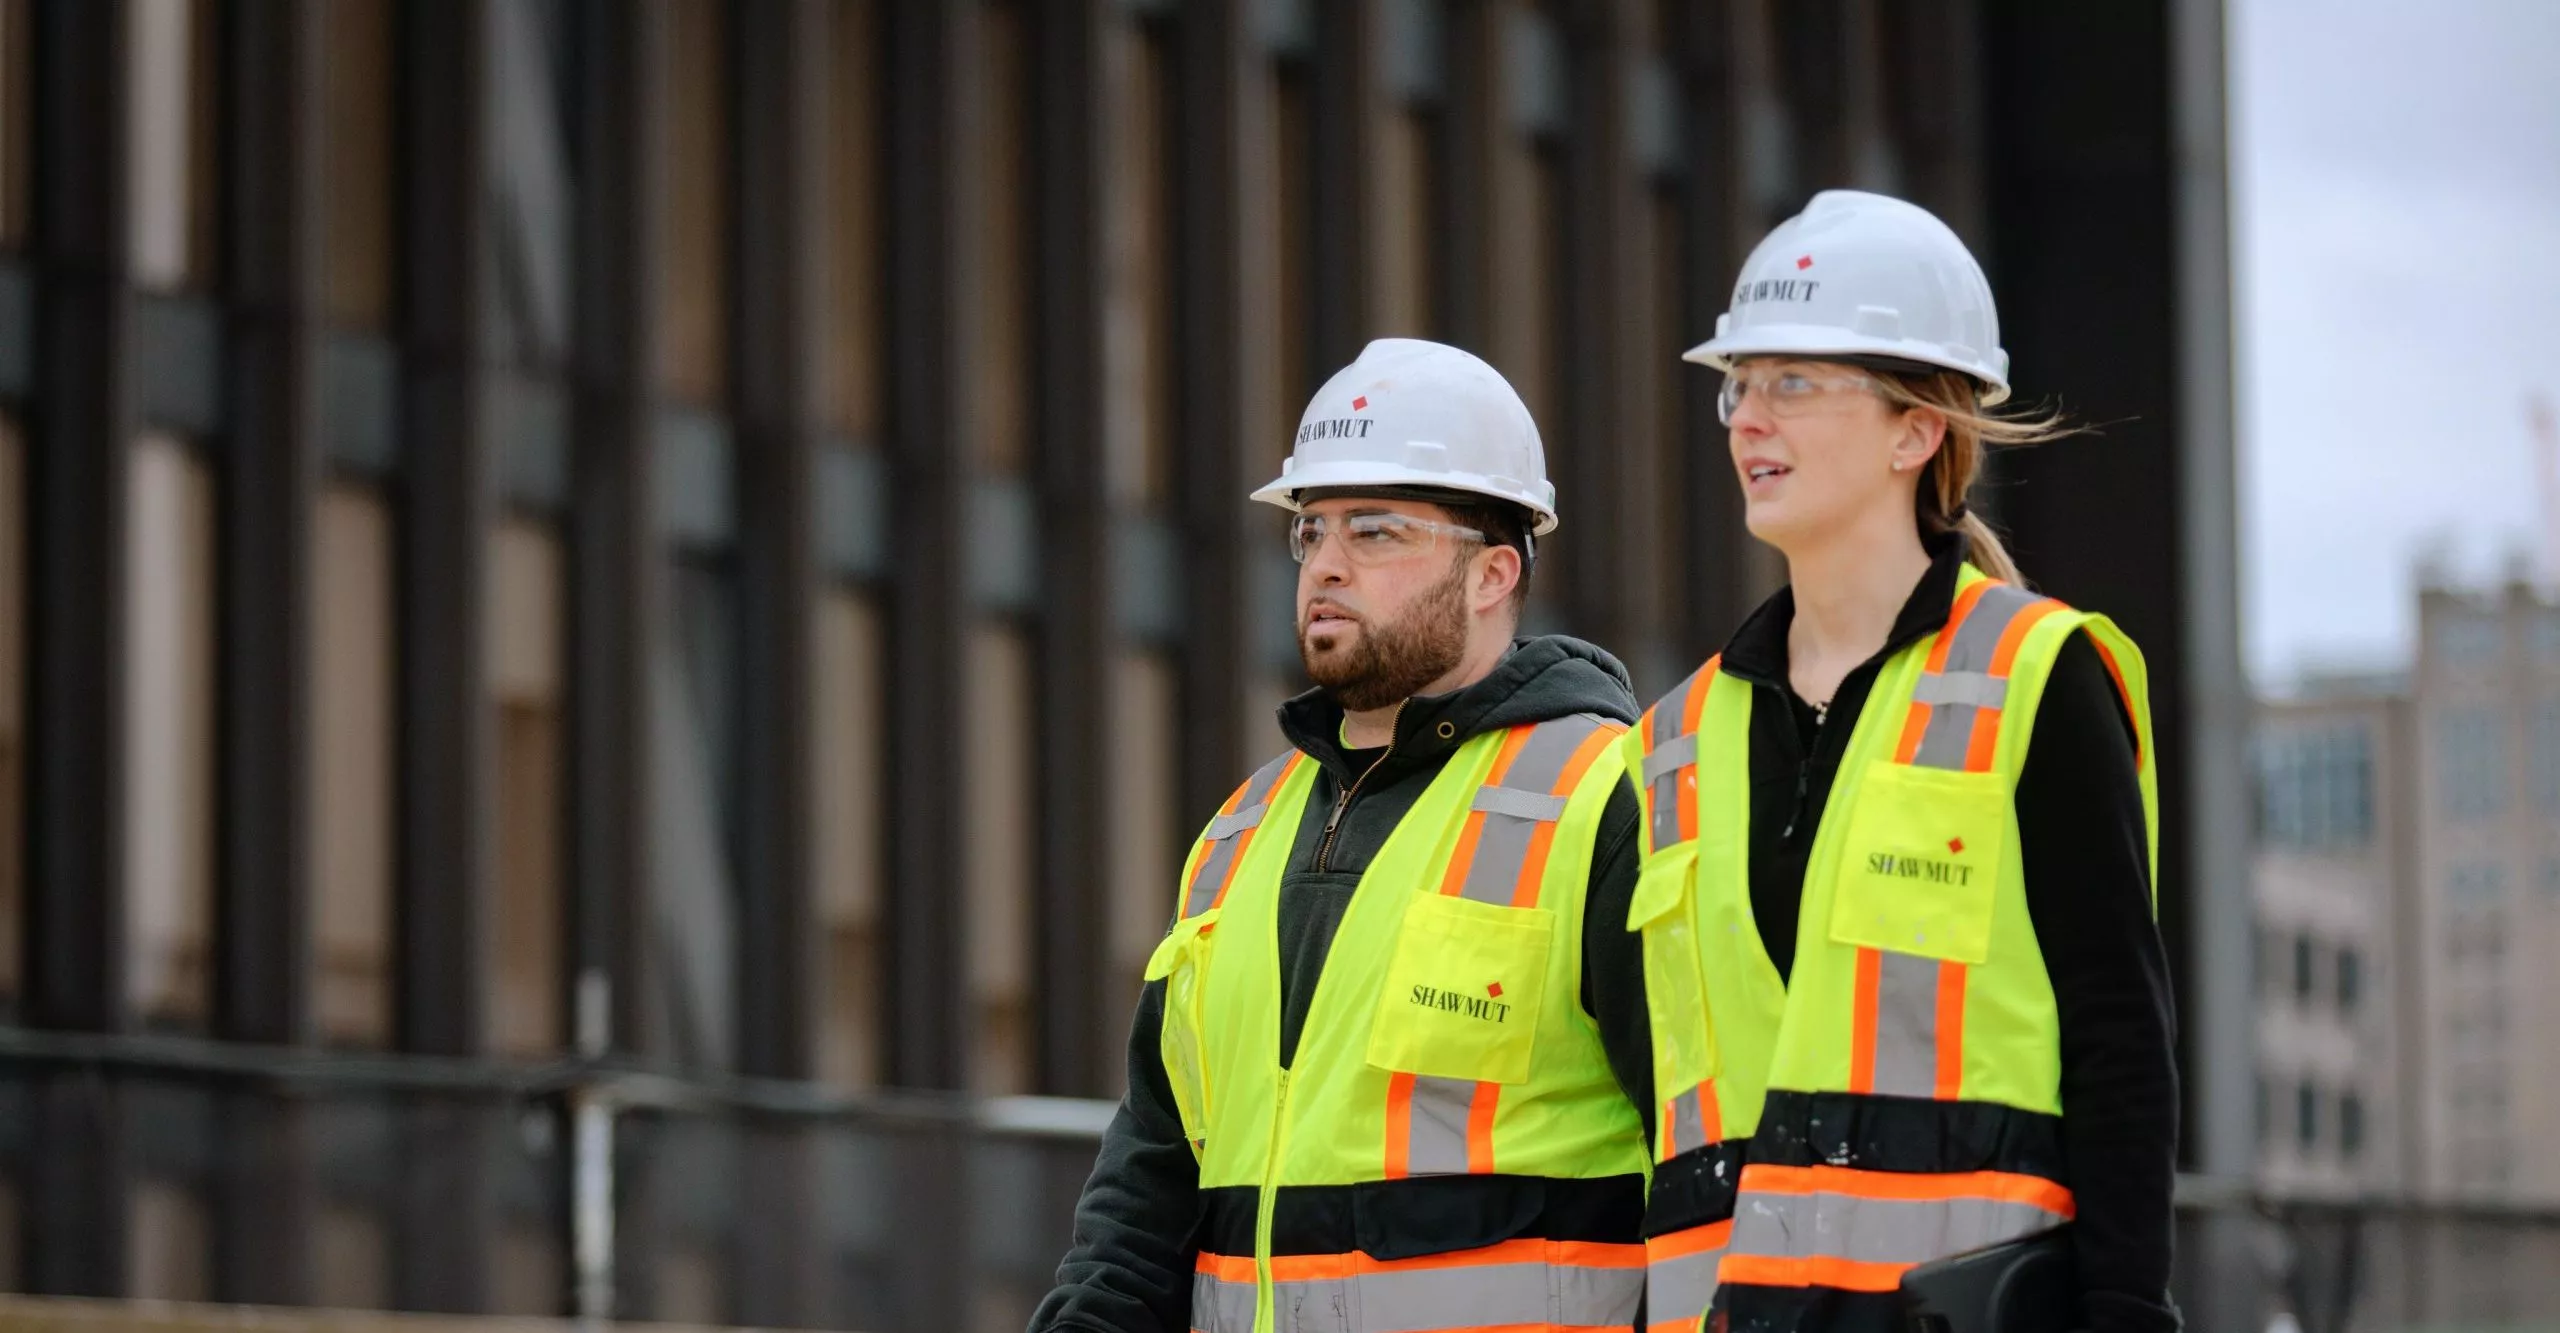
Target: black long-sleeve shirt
column 2085, row 855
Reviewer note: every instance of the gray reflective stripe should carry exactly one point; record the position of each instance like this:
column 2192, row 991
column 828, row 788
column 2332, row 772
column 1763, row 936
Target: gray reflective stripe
column 1312, row 1305
column 1977, row 688
column 1670, row 757
column 1688, row 1121
column 1520, row 804
column 1436, row 1144
column 1502, row 846
column 1673, row 750
column 1220, row 1307
column 1226, row 831
column 1949, row 738
column 1495, row 1295
column 1878, row 1231
column 1907, row 1025
column 1681, row 1288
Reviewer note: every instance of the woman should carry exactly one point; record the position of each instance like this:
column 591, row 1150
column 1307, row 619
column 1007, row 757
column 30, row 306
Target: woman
column 1907, row 992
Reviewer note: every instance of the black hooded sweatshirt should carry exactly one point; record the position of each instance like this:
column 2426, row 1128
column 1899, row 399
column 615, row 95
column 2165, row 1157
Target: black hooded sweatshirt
column 1139, row 1225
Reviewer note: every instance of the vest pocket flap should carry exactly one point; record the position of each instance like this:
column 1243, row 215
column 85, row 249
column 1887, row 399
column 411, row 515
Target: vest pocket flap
column 1427, row 1215
column 1920, row 869
column 1662, row 885
column 1168, row 954
column 1464, row 990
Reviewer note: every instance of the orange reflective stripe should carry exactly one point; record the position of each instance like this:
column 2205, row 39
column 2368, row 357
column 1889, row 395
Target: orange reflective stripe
column 1480, row 1128
column 1862, row 1023
column 1226, row 1267
column 1910, row 1186
column 2123, row 692
column 1951, row 982
column 1693, row 716
column 1982, row 746
column 1695, row 1240
column 1964, row 604
column 1561, row 1253
column 1454, row 883
column 1841, row 1274
column 1914, row 727
column 2006, row 655
column 1399, row 1126
column 1533, row 867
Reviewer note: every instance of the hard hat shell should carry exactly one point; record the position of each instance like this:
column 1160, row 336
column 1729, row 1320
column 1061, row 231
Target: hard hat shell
column 1864, row 275
column 1415, row 413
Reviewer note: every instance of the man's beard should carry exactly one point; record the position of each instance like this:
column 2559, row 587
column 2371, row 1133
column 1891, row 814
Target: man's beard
column 1389, row 663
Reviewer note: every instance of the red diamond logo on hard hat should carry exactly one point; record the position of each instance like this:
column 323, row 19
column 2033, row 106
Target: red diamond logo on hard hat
column 1358, row 404
column 1956, row 845
column 1494, row 990
column 1805, row 262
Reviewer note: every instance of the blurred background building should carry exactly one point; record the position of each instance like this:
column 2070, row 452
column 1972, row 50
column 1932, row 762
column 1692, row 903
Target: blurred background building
column 613, row 613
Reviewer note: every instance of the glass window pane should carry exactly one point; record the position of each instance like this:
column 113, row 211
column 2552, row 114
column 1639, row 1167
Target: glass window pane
column 851, row 753
column 356, row 161
column 354, row 722
column 1000, row 384
column 170, row 1246
column 169, row 757
column 533, row 185
column 997, row 859
column 693, row 333
column 690, row 992
column 17, row 101
column 13, row 678
column 351, row 1259
column 528, row 1275
column 527, row 942
column 176, row 122
column 853, row 314
column 1401, row 175
column 1147, row 821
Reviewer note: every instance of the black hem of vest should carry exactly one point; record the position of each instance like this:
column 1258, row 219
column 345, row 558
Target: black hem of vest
column 1695, row 1188
column 1908, row 1134
column 1426, row 1215
column 1748, row 1307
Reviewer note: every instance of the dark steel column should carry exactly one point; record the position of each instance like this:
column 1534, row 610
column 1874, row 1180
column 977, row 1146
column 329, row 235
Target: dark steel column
column 1815, row 73
column 78, row 460
column 448, row 1203
column 1584, row 450
column 617, row 564
column 1471, row 123
column 1075, row 1056
column 1211, row 478
column 1342, row 97
column 1715, row 589
column 263, row 981
column 930, row 70
column 779, row 49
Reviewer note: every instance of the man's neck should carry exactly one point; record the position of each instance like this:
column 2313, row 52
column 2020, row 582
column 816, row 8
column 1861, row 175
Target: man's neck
column 1850, row 588
column 1371, row 728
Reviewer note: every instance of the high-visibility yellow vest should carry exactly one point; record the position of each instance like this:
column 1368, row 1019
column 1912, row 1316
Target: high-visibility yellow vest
column 1897, row 1099
column 1446, row 1039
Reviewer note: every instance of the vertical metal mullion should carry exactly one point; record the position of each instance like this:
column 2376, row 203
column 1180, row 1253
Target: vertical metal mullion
column 1342, row 98
column 779, row 47
column 82, row 432
column 928, row 82
column 1074, row 1056
column 1593, row 163
column 1468, row 126
column 1716, row 588
column 272, row 461
column 1211, row 480
column 618, row 576
column 448, row 1204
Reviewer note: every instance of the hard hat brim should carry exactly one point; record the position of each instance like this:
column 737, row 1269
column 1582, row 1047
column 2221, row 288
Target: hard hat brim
column 1818, row 342
column 1354, row 476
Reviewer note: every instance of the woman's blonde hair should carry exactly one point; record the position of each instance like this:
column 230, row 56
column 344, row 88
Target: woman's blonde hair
column 1947, row 484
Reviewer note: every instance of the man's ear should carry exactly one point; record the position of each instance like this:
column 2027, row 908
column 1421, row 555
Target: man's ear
column 1496, row 577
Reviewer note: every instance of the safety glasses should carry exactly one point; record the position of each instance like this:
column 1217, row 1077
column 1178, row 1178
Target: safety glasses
column 1370, row 540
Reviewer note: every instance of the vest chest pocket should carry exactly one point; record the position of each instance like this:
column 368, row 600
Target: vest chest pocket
column 1181, row 962
column 1665, row 912
column 1464, row 990
column 1920, row 868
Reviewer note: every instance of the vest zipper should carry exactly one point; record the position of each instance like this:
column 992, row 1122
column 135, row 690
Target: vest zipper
column 1265, row 1316
column 1333, row 822
column 1804, row 775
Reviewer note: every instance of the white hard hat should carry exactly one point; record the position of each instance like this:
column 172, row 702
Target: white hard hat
column 1864, row 275
column 1416, row 413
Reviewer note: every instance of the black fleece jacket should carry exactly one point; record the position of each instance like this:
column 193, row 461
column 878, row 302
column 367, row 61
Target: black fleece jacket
column 1129, row 1268
column 2085, row 854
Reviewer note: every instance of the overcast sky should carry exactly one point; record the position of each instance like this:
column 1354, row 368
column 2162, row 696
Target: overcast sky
column 2396, row 233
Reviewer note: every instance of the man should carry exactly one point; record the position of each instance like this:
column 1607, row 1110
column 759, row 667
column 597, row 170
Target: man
column 1390, row 1068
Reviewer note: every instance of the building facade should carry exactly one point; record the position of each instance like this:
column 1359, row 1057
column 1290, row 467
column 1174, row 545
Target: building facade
column 613, row 615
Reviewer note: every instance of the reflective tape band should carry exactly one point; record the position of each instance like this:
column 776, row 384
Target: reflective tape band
column 1670, row 757
column 1516, row 1284
column 1222, row 1294
column 1977, row 688
column 1837, row 1274
column 1224, row 843
column 1680, row 1276
column 1871, row 1223
column 1668, row 771
column 1691, row 1120
column 1439, row 1126
column 1954, row 722
column 1519, row 804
